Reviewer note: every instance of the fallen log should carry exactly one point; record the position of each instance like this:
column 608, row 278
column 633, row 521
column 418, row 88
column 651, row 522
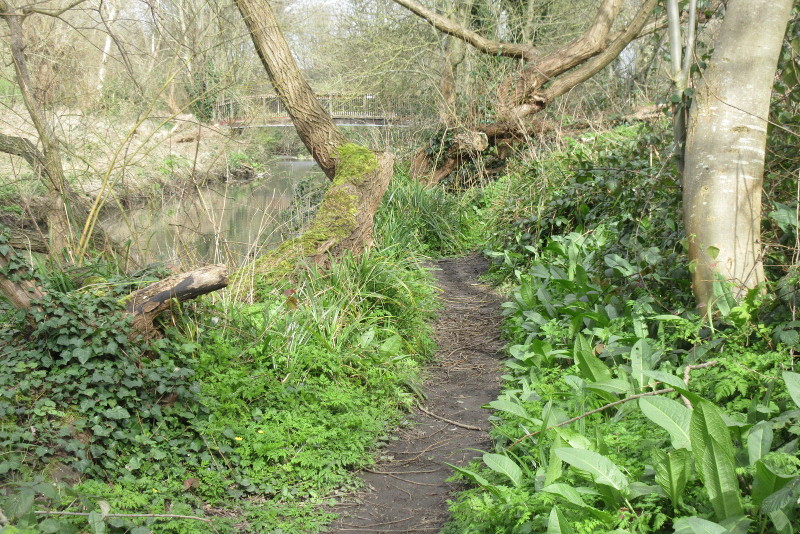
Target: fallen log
column 146, row 304
column 22, row 289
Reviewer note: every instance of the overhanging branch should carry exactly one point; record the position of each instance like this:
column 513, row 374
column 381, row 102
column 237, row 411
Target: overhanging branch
column 487, row 46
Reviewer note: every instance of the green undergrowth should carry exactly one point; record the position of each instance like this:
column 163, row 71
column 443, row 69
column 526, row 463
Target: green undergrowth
column 247, row 415
column 588, row 242
column 429, row 220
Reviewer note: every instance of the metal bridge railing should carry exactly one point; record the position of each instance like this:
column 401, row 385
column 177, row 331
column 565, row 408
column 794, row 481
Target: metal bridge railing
column 339, row 106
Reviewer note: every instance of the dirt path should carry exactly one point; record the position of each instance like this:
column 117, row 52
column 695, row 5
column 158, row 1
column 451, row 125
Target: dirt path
column 406, row 491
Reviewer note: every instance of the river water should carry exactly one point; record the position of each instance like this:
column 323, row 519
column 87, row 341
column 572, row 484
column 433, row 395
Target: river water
column 221, row 223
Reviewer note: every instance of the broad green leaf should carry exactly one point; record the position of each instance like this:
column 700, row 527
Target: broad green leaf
column 666, row 378
column 557, row 523
column 641, row 355
column 793, row 385
column 673, row 382
column 476, row 478
column 766, row 482
column 554, row 467
column 505, row 466
column 573, row 496
column 565, row 490
column 96, row 523
column 505, row 405
column 723, row 298
column 672, row 472
column 612, row 385
column 670, row 415
column 781, row 522
column 590, row 366
column 714, row 459
column 391, row 347
column 601, row 469
column 696, row 525
column 737, row 525
column 759, row 441
column 787, row 495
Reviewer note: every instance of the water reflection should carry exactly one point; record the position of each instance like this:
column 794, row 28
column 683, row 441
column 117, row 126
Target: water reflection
column 223, row 223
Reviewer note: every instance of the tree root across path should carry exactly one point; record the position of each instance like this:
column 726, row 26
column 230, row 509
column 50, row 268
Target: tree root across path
column 406, row 491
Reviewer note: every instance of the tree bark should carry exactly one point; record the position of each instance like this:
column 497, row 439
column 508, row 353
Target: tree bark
column 17, row 286
column 61, row 229
column 313, row 124
column 726, row 145
column 66, row 211
column 531, row 90
column 344, row 219
column 146, row 304
column 487, row 46
column 454, row 53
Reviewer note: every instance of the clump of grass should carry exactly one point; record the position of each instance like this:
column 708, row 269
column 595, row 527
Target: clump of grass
column 427, row 220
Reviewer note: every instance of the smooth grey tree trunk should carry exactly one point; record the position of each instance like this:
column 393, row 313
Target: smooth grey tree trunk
column 725, row 148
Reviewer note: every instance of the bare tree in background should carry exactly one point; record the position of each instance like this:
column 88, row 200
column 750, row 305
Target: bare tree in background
column 532, row 88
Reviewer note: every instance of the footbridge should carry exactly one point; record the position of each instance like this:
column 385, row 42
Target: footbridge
column 267, row 111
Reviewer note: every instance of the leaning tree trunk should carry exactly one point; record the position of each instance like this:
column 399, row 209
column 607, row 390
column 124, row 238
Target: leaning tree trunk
column 313, row 124
column 359, row 176
column 725, row 148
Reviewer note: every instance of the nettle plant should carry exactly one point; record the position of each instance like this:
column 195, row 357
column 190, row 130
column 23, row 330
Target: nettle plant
column 618, row 418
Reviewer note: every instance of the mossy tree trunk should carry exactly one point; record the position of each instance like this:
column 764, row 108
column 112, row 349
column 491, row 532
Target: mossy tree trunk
column 359, row 176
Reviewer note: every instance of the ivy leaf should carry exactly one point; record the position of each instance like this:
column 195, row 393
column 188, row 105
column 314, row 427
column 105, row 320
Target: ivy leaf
column 82, row 354
column 117, row 412
column 505, row 466
column 601, row 469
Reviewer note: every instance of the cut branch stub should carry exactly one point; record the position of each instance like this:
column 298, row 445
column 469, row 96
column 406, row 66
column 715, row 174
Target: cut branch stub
column 156, row 298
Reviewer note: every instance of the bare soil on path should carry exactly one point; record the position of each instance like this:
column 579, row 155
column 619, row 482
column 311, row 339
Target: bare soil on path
column 406, row 491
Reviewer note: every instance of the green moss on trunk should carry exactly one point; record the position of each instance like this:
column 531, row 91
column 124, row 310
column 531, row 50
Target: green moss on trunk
column 336, row 220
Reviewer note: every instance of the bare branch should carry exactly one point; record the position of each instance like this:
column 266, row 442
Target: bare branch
column 487, row 46
column 55, row 13
column 599, row 62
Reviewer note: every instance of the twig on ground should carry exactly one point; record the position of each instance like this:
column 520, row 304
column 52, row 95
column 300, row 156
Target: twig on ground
column 439, row 417
column 168, row 516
